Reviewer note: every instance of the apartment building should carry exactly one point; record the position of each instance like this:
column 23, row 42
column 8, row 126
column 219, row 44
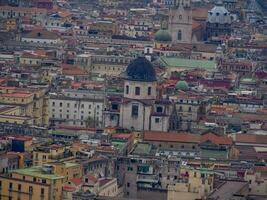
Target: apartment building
column 28, row 106
column 109, row 65
column 80, row 108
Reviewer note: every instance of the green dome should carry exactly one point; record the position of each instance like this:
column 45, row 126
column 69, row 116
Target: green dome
column 163, row 36
column 182, row 85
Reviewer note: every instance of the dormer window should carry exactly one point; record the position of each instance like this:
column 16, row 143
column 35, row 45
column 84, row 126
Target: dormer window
column 159, row 109
column 217, row 14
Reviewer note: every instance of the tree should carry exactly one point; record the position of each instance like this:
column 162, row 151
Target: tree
column 90, row 122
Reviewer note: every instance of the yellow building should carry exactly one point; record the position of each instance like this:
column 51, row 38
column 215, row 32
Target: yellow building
column 105, row 26
column 30, row 106
column 51, row 153
column 31, row 59
column 194, row 184
column 11, row 24
column 257, row 183
column 40, row 182
column 31, row 183
column 12, row 114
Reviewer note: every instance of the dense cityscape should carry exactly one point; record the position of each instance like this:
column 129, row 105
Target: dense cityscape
column 138, row 100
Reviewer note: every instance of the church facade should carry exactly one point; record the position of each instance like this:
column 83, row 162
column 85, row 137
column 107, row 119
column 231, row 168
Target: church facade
column 140, row 107
column 180, row 20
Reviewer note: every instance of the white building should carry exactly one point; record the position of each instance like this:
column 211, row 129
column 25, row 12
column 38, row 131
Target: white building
column 41, row 37
column 78, row 108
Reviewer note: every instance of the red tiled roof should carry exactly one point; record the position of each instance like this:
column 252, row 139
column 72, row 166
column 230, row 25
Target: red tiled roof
column 219, row 140
column 250, row 138
column 76, row 181
column 23, row 138
column 187, row 138
column 72, row 70
column 17, row 94
column 171, row 137
column 69, row 188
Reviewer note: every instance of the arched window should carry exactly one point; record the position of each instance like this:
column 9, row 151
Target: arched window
column 127, row 89
column 179, row 35
column 149, row 91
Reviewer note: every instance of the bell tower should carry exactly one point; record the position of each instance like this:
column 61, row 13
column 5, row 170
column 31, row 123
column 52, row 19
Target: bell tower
column 180, row 21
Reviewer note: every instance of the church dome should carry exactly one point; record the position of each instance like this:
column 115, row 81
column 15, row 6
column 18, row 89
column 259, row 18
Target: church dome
column 219, row 14
column 182, row 85
column 163, row 35
column 140, row 69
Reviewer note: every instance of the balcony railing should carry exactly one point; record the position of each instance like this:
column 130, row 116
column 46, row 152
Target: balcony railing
column 147, row 178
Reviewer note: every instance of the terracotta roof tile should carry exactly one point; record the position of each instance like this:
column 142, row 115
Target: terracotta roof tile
column 187, row 138
column 250, row 138
column 171, row 137
column 76, row 181
column 219, row 140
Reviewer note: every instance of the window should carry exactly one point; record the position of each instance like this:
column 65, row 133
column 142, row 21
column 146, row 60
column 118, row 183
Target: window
column 30, row 189
column 159, row 109
column 137, row 90
column 19, row 187
column 114, row 106
column 60, row 104
column 68, row 105
column 82, row 105
column 127, row 89
column 156, row 120
column 128, row 184
column 180, row 108
column 34, row 179
column 179, row 35
column 10, row 186
column 43, row 181
column 189, row 109
column 149, row 91
column 180, row 17
column 53, row 103
column 42, row 191
column 134, row 110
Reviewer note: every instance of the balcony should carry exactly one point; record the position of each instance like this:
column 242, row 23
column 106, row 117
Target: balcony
column 147, row 178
